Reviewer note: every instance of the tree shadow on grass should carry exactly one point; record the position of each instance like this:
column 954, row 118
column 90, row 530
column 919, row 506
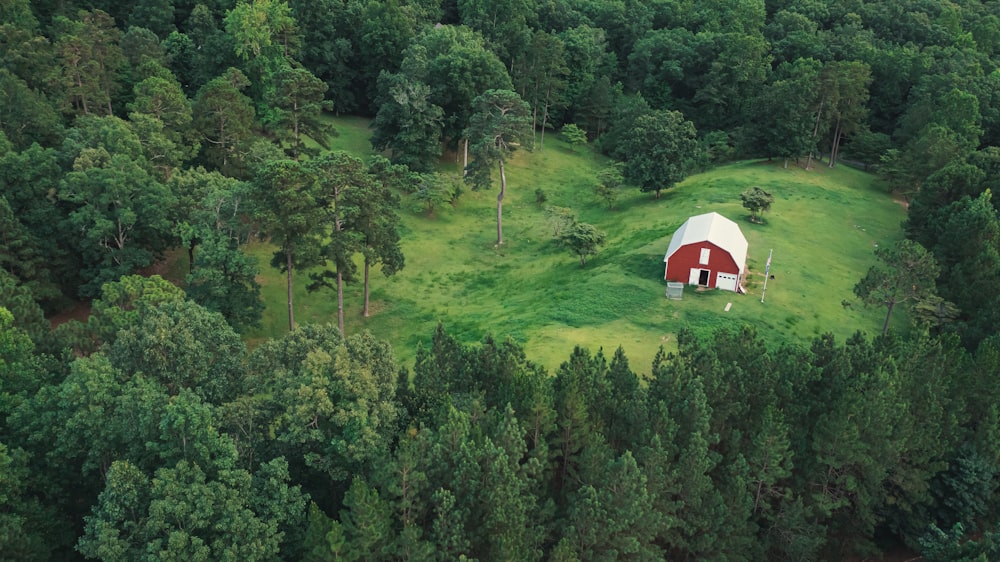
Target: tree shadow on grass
column 643, row 266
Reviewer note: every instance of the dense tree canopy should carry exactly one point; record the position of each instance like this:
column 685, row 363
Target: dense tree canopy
column 131, row 129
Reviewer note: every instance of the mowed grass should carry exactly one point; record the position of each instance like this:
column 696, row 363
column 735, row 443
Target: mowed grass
column 823, row 228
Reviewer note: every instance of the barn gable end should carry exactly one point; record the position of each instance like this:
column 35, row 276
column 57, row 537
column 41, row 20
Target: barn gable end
column 707, row 250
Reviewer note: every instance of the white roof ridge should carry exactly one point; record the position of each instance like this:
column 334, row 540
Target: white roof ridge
column 715, row 228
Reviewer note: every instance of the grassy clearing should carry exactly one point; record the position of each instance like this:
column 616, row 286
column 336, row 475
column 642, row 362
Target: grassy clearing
column 823, row 228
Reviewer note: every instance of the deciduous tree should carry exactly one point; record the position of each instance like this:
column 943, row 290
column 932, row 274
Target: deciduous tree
column 609, row 180
column 658, row 151
column 408, row 123
column 574, row 135
column 583, row 240
column 756, row 200
column 122, row 212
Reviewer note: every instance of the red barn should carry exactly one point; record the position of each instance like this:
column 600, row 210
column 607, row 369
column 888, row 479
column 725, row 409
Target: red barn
column 707, row 250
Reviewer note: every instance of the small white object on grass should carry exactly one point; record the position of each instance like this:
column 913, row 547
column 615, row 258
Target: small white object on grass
column 728, row 306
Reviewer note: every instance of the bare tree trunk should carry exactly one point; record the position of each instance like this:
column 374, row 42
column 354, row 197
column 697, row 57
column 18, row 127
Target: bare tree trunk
column 465, row 157
column 295, row 130
column 534, row 113
column 83, row 97
column 545, row 115
column 885, row 327
column 340, row 301
column 835, row 145
column 819, row 116
column 503, row 189
column 756, row 499
column 291, row 312
column 222, row 142
column 534, row 123
column 367, row 267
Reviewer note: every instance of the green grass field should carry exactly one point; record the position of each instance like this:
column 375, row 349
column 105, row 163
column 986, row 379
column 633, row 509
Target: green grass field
column 823, row 227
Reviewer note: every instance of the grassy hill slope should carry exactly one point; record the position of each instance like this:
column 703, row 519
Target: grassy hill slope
column 823, row 227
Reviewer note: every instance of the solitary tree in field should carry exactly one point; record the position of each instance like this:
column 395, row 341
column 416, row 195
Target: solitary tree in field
column 582, row 239
column 608, row 181
column 904, row 272
column 659, row 150
column 574, row 135
column 501, row 122
column 756, row 200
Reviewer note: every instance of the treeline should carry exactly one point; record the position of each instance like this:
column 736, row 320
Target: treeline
column 173, row 441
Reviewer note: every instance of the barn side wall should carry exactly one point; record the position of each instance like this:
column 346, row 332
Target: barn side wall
column 679, row 265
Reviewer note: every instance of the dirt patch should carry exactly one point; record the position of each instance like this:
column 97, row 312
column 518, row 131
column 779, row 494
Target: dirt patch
column 376, row 307
column 169, row 268
column 80, row 311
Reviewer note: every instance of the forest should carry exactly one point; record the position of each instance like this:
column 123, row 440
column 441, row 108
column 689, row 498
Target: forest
column 152, row 430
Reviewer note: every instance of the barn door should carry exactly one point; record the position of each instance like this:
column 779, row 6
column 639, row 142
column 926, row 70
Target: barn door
column 726, row 281
column 703, row 277
column 695, row 273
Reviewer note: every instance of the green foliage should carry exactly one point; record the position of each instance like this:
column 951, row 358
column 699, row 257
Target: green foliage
column 298, row 104
column 952, row 545
column 333, row 398
column 90, row 62
column 455, row 64
column 259, row 25
column 496, row 130
column 324, row 538
column 609, row 180
column 24, row 256
column 658, row 151
column 184, row 513
column 224, row 281
column 224, row 117
column 499, row 125
column 26, row 116
column 434, row 190
column 756, row 200
column 181, row 345
column 573, row 135
column 20, row 301
column 125, row 302
column 582, row 239
column 905, row 272
column 122, row 213
column 285, row 199
column 407, row 123
column 540, row 196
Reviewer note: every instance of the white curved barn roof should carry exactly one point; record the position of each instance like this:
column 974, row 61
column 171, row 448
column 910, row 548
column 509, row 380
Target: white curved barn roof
column 714, row 228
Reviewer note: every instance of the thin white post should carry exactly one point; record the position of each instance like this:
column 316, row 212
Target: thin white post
column 767, row 271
